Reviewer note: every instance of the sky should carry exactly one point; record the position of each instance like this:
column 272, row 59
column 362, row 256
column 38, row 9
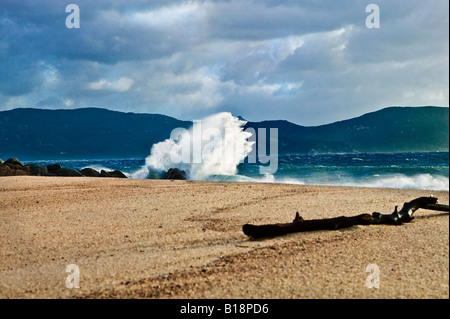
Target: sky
column 309, row 62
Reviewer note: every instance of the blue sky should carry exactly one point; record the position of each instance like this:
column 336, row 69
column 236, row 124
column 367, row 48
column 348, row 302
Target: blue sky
column 309, row 62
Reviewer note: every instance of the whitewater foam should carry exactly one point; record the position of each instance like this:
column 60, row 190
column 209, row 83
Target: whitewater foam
column 214, row 146
column 419, row 181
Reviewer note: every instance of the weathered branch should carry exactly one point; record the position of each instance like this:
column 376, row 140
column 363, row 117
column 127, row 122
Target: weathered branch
column 439, row 207
column 301, row 225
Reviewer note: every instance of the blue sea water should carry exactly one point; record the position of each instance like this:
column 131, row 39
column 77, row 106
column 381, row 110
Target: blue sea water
column 429, row 171
column 385, row 170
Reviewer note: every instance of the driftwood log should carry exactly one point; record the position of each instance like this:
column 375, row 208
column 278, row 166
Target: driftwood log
column 300, row 225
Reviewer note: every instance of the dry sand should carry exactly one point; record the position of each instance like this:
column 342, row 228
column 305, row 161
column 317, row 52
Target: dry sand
column 183, row 239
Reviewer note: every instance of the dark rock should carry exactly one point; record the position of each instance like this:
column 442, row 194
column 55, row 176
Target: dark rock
column 117, row 174
column 68, row 172
column 23, row 171
column 90, row 172
column 37, row 170
column 5, row 170
column 13, row 170
column 14, row 161
column 175, row 173
column 104, row 173
column 53, row 169
column 11, row 166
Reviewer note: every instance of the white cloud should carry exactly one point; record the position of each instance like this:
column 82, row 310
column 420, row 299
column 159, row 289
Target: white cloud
column 199, row 89
column 68, row 102
column 180, row 15
column 121, row 85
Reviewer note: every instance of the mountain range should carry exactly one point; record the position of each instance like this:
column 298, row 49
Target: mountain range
column 393, row 129
column 99, row 133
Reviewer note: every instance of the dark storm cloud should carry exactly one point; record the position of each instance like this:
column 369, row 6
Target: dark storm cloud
column 307, row 61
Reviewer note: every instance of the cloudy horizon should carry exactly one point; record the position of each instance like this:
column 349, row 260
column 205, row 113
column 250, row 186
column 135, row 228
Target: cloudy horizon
column 309, row 62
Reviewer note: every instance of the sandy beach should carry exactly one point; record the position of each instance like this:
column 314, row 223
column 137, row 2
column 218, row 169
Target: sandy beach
column 183, row 239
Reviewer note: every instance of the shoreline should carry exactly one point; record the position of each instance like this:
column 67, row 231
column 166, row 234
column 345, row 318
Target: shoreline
column 183, row 239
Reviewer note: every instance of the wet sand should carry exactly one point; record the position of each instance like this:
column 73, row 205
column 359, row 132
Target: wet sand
column 184, row 239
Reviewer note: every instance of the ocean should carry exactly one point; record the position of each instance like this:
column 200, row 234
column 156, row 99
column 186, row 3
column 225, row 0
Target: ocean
column 219, row 149
column 428, row 171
